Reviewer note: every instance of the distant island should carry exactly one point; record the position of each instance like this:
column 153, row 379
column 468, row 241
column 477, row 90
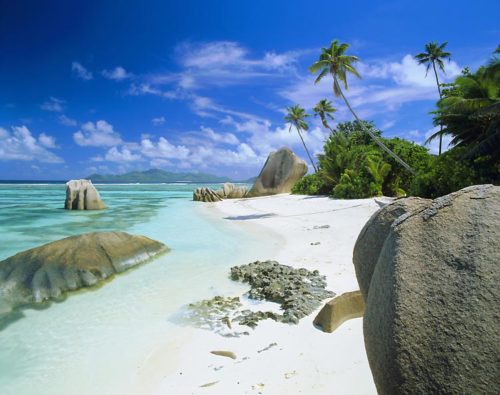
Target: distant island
column 157, row 175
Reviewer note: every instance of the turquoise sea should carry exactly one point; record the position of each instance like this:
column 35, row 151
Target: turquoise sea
column 94, row 341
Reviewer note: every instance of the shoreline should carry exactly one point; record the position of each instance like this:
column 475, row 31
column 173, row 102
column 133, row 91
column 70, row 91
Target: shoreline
column 317, row 233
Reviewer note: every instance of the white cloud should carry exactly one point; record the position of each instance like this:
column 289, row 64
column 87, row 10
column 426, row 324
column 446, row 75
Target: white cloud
column 420, row 138
column 163, row 149
column 47, row 141
column 20, row 144
column 158, row 163
column 81, row 72
column 99, row 134
column 117, row 74
column 124, row 155
column 53, row 105
column 158, row 121
column 67, row 121
column 386, row 85
column 226, row 138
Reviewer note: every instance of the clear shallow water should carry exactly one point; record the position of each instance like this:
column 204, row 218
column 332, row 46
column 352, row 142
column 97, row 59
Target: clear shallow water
column 99, row 341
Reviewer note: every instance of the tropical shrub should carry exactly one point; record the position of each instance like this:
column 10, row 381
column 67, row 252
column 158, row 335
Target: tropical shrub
column 311, row 184
column 452, row 171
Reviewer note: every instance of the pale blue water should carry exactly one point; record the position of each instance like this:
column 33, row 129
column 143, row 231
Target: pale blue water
column 94, row 342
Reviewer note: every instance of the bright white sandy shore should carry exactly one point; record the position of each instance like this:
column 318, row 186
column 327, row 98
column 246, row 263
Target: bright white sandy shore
column 304, row 360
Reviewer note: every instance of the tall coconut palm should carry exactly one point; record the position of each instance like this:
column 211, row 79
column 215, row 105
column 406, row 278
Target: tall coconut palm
column 334, row 61
column 324, row 109
column 434, row 55
column 296, row 117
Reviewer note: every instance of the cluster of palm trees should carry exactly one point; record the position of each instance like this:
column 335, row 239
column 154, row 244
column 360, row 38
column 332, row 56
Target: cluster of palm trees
column 335, row 62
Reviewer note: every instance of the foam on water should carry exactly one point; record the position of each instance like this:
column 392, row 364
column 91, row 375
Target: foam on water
column 97, row 341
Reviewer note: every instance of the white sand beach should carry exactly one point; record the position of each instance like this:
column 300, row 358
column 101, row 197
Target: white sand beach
column 310, row 232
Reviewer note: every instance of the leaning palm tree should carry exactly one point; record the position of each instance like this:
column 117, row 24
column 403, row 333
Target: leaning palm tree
column 296, row 117
column 434, row 55
column 334, row 61
column 324, row 109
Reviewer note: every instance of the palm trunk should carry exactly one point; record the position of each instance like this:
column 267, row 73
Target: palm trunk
column 375, row 138
column 308, row 154
column 440, row 97
column 325, row 123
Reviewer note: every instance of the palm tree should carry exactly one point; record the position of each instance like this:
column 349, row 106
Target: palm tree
column 324, row 109
column 434, row 54
column 334, row 61
column 296, row 116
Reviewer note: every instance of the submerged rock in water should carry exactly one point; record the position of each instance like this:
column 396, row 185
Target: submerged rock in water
column 49, row 271
column 298, row 291
column 82, row 195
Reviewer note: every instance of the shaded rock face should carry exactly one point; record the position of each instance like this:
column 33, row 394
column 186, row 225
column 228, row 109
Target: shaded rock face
column 345, row 307
column 82, row 195
column 49, row 271
column 228, row 191
column 372, row 237
column 206, row 195
column 280, row 173
column 431, row 319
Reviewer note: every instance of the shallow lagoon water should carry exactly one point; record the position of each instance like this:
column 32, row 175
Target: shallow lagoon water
column 99, row 341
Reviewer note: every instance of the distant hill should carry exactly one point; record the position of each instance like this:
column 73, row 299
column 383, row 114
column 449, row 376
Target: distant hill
column 155, row 176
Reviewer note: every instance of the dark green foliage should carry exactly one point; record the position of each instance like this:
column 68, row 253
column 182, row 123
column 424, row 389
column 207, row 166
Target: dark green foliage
column 311, row 184
column 453, row 171
column 352, row 165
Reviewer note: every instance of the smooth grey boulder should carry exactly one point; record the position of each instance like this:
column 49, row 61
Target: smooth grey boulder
column 231, row 191
column 431, row 318
column 280, row 173
column 372, row 237
column 49, row 271
column 82, row 195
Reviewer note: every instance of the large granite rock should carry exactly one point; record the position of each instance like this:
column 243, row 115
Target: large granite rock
column 82, row 195
column 280, row 173
column 431, row 319
column 340, row 309
column 49, row 271
column 231, row 191
column 372, row 237
column 206, row 195
column 228, row 191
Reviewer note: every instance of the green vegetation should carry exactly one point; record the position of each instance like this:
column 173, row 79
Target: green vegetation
column 434, row 54
column 334, row 61
column 353, row 166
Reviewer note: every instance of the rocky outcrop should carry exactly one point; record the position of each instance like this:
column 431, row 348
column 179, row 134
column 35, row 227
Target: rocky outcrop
column 345, row 307
column 49, row 271
column 231, row 191
column 82, row 195
column 298, row 291
column 373, row 235
column 431, row 319
column 206, row 195
column 228, row 191
column 280, row 173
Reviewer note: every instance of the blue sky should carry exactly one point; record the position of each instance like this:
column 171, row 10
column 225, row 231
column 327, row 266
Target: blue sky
column 108, row 87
